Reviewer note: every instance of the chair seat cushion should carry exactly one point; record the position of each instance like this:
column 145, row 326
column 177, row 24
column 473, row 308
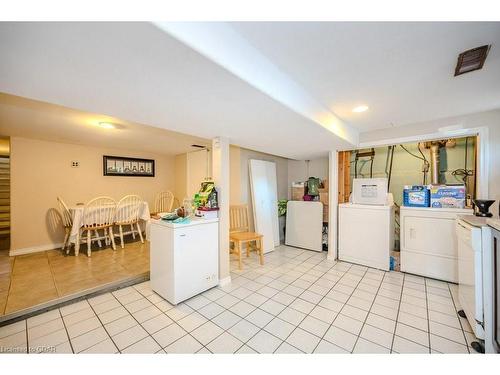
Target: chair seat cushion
column 245, row 236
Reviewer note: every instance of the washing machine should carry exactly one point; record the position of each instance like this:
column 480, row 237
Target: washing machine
column 366, row 231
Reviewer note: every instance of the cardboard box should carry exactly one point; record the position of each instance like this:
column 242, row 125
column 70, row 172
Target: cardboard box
column 325, row 184
column 323, row 197
column 298, row 193
column 447, row 196
column 325, row 213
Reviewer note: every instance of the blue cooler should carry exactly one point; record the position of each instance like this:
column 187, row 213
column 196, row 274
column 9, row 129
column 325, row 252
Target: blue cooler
column 416, row 196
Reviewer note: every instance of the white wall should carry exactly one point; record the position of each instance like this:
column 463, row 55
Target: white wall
column 489, row 119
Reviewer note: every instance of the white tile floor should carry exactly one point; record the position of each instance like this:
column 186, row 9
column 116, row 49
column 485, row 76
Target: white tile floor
column 299, row 302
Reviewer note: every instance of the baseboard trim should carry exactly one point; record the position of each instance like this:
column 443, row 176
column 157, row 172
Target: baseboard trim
column 34, row 249
column 225, row 281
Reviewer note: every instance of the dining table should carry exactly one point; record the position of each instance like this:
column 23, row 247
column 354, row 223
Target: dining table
column 77, row 212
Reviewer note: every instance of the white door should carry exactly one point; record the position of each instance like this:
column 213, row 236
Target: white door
column 265, row 202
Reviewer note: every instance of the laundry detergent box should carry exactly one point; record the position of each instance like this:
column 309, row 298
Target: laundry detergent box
column 448, row 196
column 416, row 196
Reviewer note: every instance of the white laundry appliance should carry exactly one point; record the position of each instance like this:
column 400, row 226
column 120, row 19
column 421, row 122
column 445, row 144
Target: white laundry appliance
column 184, row 258
column 473, row 237
column 366, row 231
column 429, row 241
column 304, row 225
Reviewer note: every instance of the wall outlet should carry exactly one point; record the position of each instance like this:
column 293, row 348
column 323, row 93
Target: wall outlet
column 75, row 164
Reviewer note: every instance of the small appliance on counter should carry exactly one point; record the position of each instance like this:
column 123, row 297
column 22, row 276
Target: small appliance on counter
column 482, row 207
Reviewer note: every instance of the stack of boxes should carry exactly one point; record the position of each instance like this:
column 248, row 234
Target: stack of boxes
column 299, row 190
column 436, row 196
column 323, row 198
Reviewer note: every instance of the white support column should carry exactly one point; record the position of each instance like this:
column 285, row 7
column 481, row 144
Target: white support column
column 220, row 174
column 333, row 204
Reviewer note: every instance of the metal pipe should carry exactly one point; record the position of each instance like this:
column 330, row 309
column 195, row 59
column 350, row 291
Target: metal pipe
column 434, row 163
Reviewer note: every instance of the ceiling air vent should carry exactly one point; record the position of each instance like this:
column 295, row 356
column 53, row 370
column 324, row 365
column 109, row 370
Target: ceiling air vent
column 471, row 60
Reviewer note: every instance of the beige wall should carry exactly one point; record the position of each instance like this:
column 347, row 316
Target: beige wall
column 240, row 192
column 180, row 189
column 41, row 171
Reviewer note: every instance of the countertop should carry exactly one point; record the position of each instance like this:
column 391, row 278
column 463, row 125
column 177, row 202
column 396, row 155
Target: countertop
column 194, row 221
column 494, row 223
column 475, row 221
column 454, row 210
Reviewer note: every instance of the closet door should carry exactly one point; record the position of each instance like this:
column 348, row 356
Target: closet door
column 265, row 202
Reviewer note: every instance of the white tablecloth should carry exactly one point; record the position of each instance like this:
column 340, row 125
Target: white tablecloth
column 77, row 215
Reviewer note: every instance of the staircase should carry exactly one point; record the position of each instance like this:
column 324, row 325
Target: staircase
column 4, row 202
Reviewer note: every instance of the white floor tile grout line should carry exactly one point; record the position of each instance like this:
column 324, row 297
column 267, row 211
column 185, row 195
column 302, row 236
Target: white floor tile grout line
column 397, row 314
column 295, row 264
column 125, row 307
column 364, row 322
column 66, row 329
column 428, row 317
column 459, row 321
column 107, row 333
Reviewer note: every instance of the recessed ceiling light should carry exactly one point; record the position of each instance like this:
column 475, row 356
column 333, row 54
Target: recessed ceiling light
column 360, row 108
column 106, row 125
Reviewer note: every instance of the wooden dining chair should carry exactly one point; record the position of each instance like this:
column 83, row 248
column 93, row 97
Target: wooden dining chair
column 164, row 201
column 127, row 214
column 98, row 214
column 239, row 234
column 67, row 222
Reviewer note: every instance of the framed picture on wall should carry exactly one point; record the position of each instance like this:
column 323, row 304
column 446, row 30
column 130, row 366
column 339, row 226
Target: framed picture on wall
column 123, row 166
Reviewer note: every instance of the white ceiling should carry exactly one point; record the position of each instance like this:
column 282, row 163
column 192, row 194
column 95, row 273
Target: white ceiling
column 402, row 71
column 137, row 72
column 27, row 118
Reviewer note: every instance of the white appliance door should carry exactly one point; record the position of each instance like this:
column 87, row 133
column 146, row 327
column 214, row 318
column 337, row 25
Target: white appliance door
column 196, row 260
column 469, row 274
column 265, row 202
column 304, row 225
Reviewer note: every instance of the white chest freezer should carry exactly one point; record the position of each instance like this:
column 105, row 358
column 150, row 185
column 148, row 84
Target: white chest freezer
column 366, row 234
column 184, row 258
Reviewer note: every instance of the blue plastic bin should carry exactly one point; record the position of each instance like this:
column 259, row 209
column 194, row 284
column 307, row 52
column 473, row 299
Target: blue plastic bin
column 416, row 196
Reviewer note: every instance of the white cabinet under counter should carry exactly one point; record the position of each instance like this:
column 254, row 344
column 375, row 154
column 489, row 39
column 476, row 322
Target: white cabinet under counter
column 184, row 258
column 429, row 242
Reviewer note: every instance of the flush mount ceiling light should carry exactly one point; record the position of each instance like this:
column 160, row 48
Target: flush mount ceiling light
column 471, row 60
column 106, row 125
column 360, row 108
